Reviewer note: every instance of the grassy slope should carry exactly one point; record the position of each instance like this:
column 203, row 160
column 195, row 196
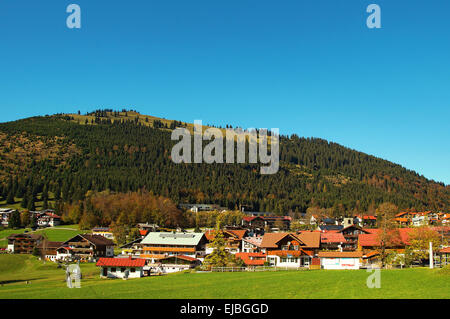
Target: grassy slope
column 58, row 233
column 48, row 282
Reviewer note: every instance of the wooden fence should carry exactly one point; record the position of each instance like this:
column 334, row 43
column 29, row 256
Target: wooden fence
column 259, row 268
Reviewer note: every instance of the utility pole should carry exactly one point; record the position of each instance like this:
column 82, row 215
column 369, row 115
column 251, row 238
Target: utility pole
column 431, row 256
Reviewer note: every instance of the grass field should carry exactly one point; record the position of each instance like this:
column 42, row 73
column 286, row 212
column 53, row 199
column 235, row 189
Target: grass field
column 47, row 281
column 57, row 233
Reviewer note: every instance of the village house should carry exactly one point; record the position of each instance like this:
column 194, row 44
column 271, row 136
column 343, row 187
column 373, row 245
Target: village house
column 329, row 227
column 340, row 260
column 258, row 224
column 369, row 221
column 103, row 231
column 251, row 244
column 47, row 249
column 348, row 221
column 86, row 247
column 290, row 249
column 121, row 267
column 147, row 227
column 200, row 207
column 163, row 244
column 445, row 256
column 351, row 234
column 332, row 241
column 23, row 243
column 5, row 215
column 173, row 263
column 46, row 218
column 370, row 242
column 133, row 248
column 233, row 240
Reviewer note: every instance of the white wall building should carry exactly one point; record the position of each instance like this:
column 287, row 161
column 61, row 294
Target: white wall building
column 121, row 267
column 340, row 260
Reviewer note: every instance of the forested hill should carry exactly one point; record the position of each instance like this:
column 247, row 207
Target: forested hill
column 69, row 155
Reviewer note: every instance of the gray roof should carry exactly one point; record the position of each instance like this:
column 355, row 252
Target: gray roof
column 189, row 239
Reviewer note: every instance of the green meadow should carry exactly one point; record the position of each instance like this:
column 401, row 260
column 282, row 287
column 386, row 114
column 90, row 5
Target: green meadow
column 47, row 281
column 57, row 233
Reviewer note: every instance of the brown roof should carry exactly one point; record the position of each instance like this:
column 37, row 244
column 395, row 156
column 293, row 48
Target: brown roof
column 97, row 240
column 306, row 239
column 340, row 254
column 332, row 238
column 270, row 240
column 309, row 238
column 238, row 233
column 50, row 244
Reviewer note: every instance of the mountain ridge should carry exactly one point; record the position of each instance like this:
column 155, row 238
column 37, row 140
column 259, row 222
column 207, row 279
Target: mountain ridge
column 125, row 151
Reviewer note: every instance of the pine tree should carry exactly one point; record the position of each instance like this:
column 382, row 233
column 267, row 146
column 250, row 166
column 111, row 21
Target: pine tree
column 10, row 199
column 14, row 221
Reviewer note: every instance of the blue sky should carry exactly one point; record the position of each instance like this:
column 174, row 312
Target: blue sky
column 306, row 67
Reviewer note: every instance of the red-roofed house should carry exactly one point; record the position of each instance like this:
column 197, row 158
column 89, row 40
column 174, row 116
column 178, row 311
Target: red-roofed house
column 445, row 256
column 289, row 249
column 369, row 221
column 252, row 259
column 331, row 240
column 121, row 267
column 369, row 242
column 351, row 234
column 47, row 218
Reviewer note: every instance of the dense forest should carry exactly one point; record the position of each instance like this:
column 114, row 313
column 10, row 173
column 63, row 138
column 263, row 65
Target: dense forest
column 124, row 151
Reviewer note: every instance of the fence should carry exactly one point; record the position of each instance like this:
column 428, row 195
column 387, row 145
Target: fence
column 259, row 268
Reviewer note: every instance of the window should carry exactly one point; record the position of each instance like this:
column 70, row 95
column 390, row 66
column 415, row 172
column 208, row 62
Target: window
column 133, row 269
column 113, row 269
column 122, row 269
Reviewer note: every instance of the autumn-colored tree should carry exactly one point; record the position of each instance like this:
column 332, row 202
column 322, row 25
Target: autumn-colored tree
column 25, row 218
column 388, row 235
column 219, row 257
column 419, row 241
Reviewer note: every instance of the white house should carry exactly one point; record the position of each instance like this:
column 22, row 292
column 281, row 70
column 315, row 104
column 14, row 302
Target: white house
column 103, row 231
column 340, row 260
column 121, row 267
column 5, row 214
column 174, row 263
column 420, row 220
column 251, row 244
column 289, row 259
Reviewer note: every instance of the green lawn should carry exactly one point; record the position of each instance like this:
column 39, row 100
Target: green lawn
column 46, row 281
column 57, row 233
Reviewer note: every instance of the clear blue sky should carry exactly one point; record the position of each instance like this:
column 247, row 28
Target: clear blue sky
column 306, row 67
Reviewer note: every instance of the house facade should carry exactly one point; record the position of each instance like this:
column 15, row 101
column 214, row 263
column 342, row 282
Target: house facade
column 86, row 247
column 23, row 243
column 340, row 260
column 121, row 267
column 233, row 240
column 173, row 263
column 5, row 215
column 157, row 245
column 291, row 250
